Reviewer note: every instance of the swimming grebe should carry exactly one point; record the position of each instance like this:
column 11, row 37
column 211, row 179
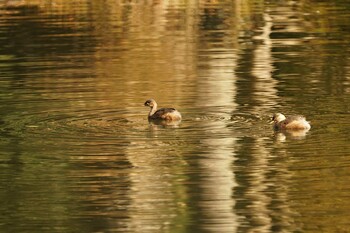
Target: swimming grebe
column 168, row 114
column 290, row 123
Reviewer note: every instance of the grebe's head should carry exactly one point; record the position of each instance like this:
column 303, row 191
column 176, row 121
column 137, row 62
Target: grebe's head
column 150, row 103
column 278, row 117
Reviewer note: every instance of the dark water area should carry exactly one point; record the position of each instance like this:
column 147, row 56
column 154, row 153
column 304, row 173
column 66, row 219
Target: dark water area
column 77, row 153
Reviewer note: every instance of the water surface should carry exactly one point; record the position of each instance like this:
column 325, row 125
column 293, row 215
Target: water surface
column 78, row 154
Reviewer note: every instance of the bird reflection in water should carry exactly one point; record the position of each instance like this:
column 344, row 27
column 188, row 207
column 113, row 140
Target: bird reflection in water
column 282, row 135
column 164, row 123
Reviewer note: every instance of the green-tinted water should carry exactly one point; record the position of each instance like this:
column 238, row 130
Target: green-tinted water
column 77, row 153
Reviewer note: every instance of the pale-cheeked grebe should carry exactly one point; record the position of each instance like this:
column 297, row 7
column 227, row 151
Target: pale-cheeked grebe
column 168, row 114
column 290, row 123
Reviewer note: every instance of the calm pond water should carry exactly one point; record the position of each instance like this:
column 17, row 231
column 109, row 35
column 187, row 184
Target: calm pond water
column 77, row 153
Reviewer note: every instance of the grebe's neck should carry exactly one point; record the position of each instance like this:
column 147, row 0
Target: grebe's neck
column 153, row 110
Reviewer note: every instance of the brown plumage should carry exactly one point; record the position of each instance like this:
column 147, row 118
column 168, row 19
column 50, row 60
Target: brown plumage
column 290, row 123
column 168, row 114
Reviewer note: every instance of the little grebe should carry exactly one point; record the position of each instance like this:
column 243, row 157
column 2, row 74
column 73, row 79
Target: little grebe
column 290, row 123
column 168, row 114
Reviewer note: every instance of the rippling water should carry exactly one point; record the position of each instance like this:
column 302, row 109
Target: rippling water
column 78, row 154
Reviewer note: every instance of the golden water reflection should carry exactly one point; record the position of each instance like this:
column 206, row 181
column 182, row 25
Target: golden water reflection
column 76, row 139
